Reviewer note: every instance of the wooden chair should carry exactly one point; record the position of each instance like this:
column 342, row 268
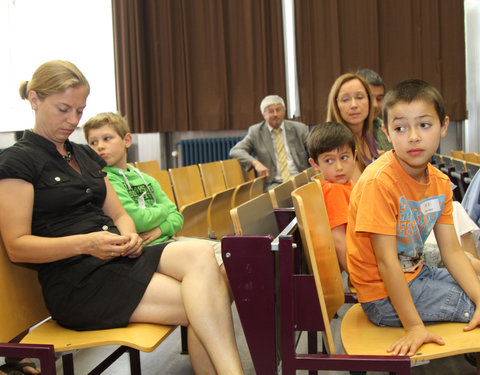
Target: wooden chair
column 361, row 339
column 472, row 169
column 318, row 177
column 458, row 175
column 472, row 157
column 310, row 172
column 258, row 187
column 300, row 179
column 281, row 195
column 188, row 187
column 458, row 154
column 23, row 306
column 255, row 217
column 152, row 168
column 232, row 172
column 212, row 177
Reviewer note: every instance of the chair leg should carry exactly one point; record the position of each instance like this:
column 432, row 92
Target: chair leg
column 184, row 336
column 135, row 368
column 67, row 361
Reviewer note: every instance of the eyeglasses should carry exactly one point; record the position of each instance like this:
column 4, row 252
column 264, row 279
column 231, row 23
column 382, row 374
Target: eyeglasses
column 344, row 100
column 271, row 111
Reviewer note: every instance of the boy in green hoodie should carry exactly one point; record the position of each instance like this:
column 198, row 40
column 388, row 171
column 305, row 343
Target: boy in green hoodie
column 156, row 217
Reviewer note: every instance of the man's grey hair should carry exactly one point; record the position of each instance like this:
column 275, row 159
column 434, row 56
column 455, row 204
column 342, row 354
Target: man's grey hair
column 372, row 77
column 269, row 100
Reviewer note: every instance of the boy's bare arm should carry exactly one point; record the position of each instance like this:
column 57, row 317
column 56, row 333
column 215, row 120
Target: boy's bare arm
column 459, row 266
column 338, row 235
column 389, row 267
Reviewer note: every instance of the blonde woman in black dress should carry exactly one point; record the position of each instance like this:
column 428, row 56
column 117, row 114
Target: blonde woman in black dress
column 64, row 217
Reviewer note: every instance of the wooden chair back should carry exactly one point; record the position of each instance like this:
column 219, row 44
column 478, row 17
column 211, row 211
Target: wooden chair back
column 310, row 172
column 212, row 177
column 258, row 186
column 20, row 297
column 187, row 184
column 317, row 177
column 281, row 195
column 300, row 179
column 152, row 168
column 471, row 157
column 241, row 193
column 458, row 154
column 318, row 243
column 249, row 175
column 255, row 217
column 232, row 172
column 472, row 169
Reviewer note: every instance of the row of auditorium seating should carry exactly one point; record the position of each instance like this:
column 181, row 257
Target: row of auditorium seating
column 459, row 170
column 205, row 193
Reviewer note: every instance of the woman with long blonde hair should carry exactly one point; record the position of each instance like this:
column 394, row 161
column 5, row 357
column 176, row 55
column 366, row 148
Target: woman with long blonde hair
column 349, row 102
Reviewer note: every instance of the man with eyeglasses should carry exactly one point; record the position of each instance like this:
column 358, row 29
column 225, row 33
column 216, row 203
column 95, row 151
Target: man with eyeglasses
column 377, row 88
column 279, row 146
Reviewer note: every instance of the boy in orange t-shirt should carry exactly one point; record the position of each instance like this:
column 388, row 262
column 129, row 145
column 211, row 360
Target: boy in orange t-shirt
column 398, row 200
column 332, row 152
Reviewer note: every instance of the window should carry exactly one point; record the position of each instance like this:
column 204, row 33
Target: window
column 33, row 31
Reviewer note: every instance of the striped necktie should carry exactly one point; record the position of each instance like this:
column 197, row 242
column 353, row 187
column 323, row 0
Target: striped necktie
column 282, row 157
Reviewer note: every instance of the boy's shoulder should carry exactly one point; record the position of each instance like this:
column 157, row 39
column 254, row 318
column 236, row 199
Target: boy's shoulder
column 333, row 191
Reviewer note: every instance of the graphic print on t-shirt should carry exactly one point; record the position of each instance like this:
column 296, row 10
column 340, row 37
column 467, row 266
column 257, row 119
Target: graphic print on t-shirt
column 415, row 222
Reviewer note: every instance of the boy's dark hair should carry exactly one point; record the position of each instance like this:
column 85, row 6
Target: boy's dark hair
column 329, row 136
column 409, row 91
column 372, row 77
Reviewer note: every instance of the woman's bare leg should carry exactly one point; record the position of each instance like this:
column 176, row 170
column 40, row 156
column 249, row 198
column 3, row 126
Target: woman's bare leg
column 190, row 290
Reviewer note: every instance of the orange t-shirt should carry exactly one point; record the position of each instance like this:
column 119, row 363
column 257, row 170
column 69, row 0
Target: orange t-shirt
column 337, row 197
column 386, row 200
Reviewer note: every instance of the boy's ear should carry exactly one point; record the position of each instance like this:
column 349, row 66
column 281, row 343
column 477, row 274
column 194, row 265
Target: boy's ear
column 443, row 131
column 128, row 140
column 385, row 130
column 314, row 165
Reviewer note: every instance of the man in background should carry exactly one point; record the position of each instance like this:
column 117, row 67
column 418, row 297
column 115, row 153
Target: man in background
column 279, row 146
column 377, row 89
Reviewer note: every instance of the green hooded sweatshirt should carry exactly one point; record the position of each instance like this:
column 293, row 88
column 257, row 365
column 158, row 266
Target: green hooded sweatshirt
column 145, row 202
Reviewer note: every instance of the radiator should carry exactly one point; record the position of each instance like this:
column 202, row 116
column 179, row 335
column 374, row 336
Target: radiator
column 205, row 150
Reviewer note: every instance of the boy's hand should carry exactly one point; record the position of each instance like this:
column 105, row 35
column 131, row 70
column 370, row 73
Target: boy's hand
column 150, row 235
column 412, row 340
column 475, row 322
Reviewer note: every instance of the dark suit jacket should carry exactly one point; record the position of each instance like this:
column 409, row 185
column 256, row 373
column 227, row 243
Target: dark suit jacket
column 259, row 141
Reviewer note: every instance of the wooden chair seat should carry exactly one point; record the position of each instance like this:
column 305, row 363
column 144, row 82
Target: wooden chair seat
column 361, row 337
column 141, row 336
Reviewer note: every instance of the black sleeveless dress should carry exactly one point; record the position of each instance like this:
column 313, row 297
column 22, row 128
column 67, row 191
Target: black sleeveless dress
column 81, row 292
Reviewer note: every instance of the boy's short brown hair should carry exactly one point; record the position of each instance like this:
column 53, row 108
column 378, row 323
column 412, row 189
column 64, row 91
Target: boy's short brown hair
column 116, row 121
column 409, row 91
column 329, row 136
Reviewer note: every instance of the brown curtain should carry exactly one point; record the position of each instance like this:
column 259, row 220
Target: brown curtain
column 196, row 64
column 398, row 39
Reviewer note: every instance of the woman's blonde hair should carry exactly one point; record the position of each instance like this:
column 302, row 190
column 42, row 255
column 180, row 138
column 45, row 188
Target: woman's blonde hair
column 53, row 77
column 333, row 111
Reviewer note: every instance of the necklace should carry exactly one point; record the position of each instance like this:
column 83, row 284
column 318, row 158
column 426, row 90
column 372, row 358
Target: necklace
column 67, row 157
column 69, row 154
